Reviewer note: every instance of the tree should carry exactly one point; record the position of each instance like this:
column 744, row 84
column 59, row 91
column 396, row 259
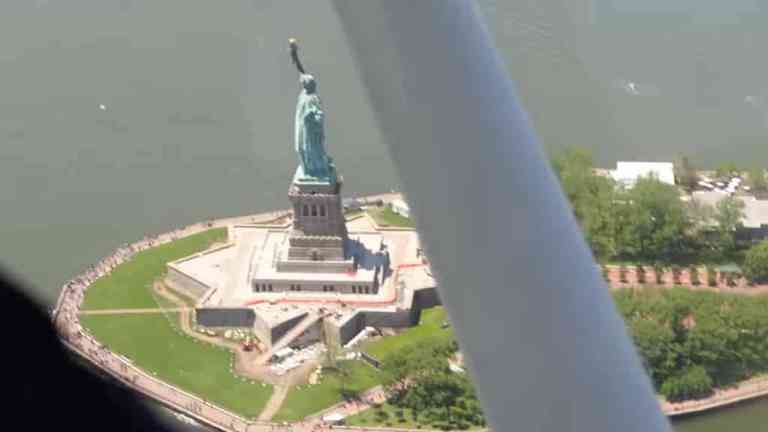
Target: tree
column 729, row 212
column 701, row 217
column 692, row 383
column 756, row 262
column 655, row 343
column 685, row 173
column 757, row 180
column 418, row 378
column 657, row 222
column 591, row 197
column 415, row 361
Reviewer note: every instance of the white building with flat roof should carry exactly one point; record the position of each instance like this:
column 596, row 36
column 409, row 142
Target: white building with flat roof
column 755, row 220
column 627, row 173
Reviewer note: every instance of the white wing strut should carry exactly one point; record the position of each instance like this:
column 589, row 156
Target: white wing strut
column 545, row 345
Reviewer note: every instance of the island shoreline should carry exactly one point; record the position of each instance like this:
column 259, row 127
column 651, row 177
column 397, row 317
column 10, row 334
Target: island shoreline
column 85, row 347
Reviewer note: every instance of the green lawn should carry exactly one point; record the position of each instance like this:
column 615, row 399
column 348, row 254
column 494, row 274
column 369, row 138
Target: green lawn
column 429, row 327
column 157, row 347
column 384, row 216
column 311, row 399
column 130, row 284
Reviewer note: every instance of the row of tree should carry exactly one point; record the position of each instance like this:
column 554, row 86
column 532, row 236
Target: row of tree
column 648, row 222
column 693, row 341
column 418, row 377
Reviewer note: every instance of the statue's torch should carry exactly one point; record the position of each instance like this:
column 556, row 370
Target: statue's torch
column 293, row 46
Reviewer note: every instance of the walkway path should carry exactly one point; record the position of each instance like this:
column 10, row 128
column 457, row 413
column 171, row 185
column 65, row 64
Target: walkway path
column 750, row 389
column 279, row 393
column 131, row 311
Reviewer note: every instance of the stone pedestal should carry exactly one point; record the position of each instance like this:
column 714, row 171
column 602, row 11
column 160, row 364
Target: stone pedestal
column 319, row 232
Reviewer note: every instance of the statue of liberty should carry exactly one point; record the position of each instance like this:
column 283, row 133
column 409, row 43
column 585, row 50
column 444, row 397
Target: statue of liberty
column 314, row 163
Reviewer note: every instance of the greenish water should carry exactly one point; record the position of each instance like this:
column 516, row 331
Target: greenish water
column 198, row 106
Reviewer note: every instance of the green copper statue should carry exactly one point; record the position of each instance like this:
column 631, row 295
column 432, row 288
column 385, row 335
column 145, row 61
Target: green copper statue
column 314, row 163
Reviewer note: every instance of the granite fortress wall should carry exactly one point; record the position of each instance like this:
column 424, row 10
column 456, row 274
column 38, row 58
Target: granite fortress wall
column 423, row 299
column 182, row 282
column 225, row 317
column 245, row 317
column 279, row 330
column 426, row 298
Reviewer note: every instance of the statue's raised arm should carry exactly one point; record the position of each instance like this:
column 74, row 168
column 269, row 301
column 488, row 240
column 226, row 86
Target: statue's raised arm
column 293, row 46
column 314, row 163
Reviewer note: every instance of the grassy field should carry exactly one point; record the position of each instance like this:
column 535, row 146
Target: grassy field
column 308, row 400
column 384, row 216
column 157, row 346
column 429, row 327
column 129, row 285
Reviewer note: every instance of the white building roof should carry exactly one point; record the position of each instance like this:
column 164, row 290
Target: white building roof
column 755, row 210
column 627, row 173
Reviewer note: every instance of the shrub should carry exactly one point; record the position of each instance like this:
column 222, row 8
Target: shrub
column 756, row 262
column 606, row 274
column 676, row 271
column 640, row 271
column 711, row 276
column 658, row 270
column 730, row 279
column 694, row 272
column 623, row 273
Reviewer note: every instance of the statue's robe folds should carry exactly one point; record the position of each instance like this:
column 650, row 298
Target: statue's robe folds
column 310, row 136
